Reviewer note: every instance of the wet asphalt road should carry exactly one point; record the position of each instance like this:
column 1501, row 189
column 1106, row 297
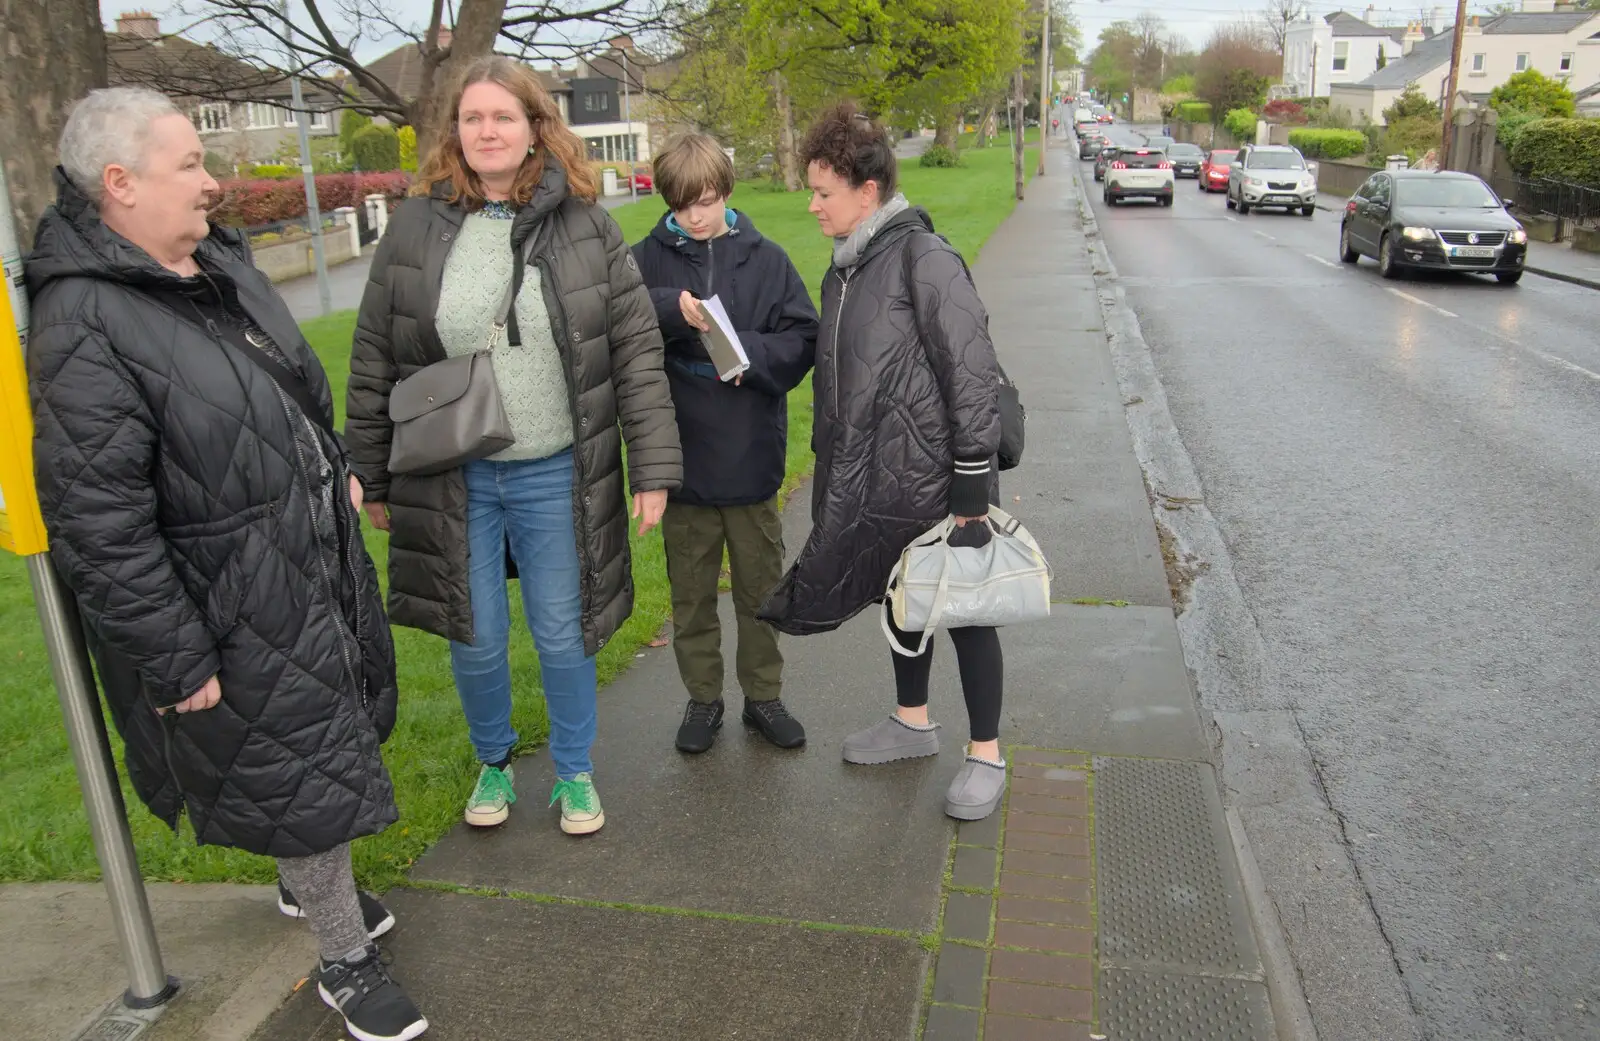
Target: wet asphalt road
column 1407, row 476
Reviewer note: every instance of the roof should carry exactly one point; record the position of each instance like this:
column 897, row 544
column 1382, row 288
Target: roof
column 1425, row 56
column 1349, row 25
column 401, row 69
column 181, row 68
column 1528, row 23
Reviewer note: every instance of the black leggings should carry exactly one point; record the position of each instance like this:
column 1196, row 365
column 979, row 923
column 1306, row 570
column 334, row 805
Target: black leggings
column 982, row 675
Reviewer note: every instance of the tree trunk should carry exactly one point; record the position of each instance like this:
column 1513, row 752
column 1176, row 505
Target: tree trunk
column 788, row 160
column 476, row 29
column 948, row 129
column 986, row 126
column 38, row 85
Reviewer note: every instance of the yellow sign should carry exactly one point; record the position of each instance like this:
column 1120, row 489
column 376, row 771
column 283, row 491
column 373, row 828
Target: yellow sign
column 21, row 526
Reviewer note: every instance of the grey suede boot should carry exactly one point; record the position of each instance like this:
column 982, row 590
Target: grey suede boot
column 889, row 740
column 977, row 789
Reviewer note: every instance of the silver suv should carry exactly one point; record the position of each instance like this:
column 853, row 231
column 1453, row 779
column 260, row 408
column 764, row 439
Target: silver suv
column 1271, row 175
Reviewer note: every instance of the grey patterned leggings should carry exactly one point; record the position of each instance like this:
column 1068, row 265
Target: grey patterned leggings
column 325, row 887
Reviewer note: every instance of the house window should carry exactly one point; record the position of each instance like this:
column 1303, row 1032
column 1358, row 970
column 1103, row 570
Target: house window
column 1522, row 62
column 208, row 119
column 262, row 116
column 319, row 120
column 1477, row 63
column 1566, row 62
column 597, row 102
column 1341, row 55
column 288, row 117
column 611, row 148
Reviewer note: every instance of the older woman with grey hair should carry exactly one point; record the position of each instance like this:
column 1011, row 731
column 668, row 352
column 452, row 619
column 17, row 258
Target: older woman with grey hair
column 201, row 506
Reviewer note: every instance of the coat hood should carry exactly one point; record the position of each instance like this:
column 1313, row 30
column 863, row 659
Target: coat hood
column 742, row 236
column 73, row 242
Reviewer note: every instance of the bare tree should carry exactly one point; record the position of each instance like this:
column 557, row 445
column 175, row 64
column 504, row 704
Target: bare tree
column 320, row 41
column 1235, row 68
column 38, row 85
column 1277, row 16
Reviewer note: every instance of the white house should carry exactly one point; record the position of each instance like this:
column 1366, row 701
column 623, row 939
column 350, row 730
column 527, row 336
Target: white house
column 1562, row 44
column 1319, row 53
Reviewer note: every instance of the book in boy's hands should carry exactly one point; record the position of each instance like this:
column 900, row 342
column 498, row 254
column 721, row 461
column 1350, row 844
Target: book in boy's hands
column 722, row 342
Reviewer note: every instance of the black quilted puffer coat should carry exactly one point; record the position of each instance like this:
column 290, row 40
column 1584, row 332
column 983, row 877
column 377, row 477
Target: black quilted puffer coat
column 605, row 327
column 907, row 420
column 179, row 509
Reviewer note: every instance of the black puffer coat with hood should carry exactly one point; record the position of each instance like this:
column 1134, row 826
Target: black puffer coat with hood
column 188, row 507
column 907, row 420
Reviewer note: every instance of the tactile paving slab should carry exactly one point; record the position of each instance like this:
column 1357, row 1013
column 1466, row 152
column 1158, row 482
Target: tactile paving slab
column 1153, row 1006
column 1170, row 896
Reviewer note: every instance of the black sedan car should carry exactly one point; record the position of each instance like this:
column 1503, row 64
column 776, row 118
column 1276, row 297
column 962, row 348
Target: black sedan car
column 1103, row 160
column 1185, row 159
column 1089, row 144
column 1440, row 220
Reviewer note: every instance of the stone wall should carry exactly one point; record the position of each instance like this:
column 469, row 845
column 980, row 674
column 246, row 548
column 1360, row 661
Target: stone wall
column 1341, row 178
column 291, row 259
column 1202, row 134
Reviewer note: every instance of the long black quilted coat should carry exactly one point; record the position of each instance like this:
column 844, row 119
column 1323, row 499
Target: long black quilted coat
column 906, row 384
column 605, row 327
column 178, row 511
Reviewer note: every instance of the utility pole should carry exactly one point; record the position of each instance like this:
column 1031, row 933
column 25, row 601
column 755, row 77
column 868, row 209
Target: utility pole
column 307, row 171
column 1016, row 127
column 1315, row 55
column 1455, row 79
column 1044, row 89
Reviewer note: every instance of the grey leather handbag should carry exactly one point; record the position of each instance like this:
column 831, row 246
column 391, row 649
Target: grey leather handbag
column 450, row 412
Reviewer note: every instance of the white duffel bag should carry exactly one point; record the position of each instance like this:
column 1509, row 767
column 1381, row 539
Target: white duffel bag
column 940, row 586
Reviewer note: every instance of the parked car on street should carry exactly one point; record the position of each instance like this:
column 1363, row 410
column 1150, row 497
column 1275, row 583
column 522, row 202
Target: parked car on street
column 1436, row 219
column 643, row 181
column 1214, row 170
column 1103, row 160
column 1185, row 159
column 1135, row 173
column 1271, row 175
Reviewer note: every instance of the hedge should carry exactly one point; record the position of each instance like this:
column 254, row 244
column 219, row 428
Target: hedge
column 1241, row 123
column 377, row 148
column 940, row 156
column 247, row 204
column 1560, row 149
column 1328, row 144
column 1192, row 112
column 274, row 171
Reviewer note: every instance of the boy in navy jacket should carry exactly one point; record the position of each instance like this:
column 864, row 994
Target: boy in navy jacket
column 734, row 433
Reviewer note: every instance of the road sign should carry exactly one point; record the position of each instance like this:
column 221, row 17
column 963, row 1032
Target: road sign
column 21, row 527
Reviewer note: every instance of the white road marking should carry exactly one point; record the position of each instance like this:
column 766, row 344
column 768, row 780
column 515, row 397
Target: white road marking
column 1324, row 261
column 1422, row 302
column 1561, row 362
column 1263, row 234
column 1234, row 219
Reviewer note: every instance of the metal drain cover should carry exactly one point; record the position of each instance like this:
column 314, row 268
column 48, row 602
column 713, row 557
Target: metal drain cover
column 116, row 1022
column 1149, row 1006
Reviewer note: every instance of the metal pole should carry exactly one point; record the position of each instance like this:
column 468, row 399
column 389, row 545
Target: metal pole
column 1455, row 79
column 627, row 118
column 313, row 214
column 1017, row 150
column 149, row 984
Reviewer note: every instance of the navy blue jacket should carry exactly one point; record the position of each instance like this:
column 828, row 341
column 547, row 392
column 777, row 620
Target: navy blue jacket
column 735, row 438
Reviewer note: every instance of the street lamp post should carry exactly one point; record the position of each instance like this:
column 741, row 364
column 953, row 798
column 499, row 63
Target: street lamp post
column 627, row 119
column 307, row 170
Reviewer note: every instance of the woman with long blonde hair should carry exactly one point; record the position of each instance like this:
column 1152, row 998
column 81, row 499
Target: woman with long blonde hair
column 581, row 358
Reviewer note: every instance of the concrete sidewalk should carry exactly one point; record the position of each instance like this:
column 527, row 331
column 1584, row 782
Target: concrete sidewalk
column 754, row 893
column 1549, row 260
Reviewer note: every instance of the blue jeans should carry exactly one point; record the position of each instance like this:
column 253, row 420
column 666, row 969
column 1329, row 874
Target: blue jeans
column 528, row 505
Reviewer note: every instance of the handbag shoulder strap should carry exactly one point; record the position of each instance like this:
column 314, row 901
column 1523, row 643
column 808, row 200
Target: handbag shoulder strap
column 505, row 317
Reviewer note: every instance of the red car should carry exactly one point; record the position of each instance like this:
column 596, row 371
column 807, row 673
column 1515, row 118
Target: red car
column 643, row 182
column 1214, row 170
column 1106, row 117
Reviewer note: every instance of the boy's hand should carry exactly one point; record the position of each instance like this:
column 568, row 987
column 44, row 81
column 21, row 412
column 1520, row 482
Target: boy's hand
column 691, row 311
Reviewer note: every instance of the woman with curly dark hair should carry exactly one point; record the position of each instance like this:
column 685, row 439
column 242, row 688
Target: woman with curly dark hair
column 907, row 429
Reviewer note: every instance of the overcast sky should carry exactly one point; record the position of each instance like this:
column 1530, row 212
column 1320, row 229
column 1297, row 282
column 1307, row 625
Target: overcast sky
column 1193, row 19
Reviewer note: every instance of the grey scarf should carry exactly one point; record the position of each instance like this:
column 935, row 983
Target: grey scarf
column 847, row 249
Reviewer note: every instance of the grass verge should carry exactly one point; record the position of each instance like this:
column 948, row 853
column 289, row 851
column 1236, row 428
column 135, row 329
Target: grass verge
column 44, row 835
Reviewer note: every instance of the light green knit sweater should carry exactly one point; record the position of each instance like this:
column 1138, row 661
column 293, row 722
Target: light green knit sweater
column 533, row 386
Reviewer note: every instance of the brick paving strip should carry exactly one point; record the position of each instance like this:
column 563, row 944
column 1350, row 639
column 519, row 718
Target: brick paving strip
column 1016, row 960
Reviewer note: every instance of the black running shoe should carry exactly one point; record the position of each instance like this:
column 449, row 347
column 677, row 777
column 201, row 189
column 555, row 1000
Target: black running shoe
column 372, row 1004
column 377, row 917
column 698, row 731
column 774, row 722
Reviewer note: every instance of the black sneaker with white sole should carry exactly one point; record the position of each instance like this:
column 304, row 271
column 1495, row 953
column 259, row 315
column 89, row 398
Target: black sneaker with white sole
column 373, row 1005
column 378, row 918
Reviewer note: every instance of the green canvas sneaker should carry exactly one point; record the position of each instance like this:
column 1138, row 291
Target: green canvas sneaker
column 580, row 805
column 491, row 799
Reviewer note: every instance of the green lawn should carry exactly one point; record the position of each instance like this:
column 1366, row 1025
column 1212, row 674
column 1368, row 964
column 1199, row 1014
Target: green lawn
column 43, row 833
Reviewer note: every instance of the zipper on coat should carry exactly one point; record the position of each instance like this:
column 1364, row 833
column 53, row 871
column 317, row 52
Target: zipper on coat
column 711, row 268
column 844, row 291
